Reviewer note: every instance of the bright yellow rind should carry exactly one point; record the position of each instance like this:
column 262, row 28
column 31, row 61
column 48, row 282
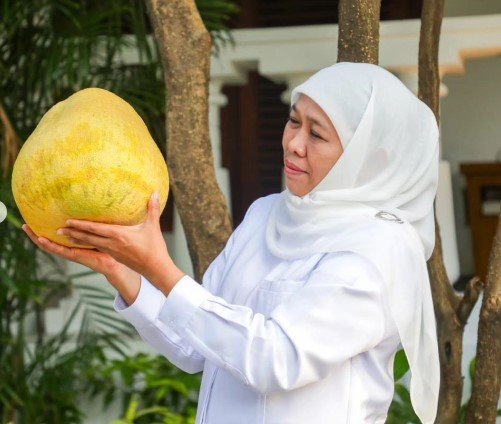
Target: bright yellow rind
column 91, row 157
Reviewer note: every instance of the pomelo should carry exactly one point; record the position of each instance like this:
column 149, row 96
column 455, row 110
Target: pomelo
column 90, row 157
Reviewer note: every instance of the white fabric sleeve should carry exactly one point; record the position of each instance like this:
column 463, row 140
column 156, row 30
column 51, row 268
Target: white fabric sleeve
column 143, row 313
column 336, row 315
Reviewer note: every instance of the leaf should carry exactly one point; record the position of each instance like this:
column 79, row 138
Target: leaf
column 13, row 395
column 167, row 382
column 400, row 365
column 49, row 49
column 152, row 410
column 471, row 368
column 131, row 410
column 14, row 220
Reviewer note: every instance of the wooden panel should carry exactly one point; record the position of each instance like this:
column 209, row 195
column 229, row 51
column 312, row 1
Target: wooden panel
column 398, row 9
column 479, row 178
column 272, row 115
column 238, row 137
column 252, row 151
column 280, row 13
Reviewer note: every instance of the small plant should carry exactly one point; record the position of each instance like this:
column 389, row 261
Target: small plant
column 168, row 417
column 151, row 388
column 48, row 50
column 401, row 411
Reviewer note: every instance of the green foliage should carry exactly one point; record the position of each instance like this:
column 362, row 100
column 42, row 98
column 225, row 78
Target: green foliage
column 50, row 49
column 401, row 411
column 400, row 365
column 43, row 378
column 214, row 14
column 41, row 375
column 166, row 416
column 152, row 390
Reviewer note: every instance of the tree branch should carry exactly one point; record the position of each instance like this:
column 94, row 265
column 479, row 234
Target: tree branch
column 487, row 378
column 11, row 143
column 469, row 299
column 185, row 50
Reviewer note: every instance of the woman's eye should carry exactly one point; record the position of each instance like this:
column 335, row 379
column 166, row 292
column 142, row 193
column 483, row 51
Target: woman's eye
column 291, row 119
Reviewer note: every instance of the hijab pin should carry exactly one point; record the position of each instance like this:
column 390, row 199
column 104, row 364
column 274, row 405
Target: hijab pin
column 389, row 217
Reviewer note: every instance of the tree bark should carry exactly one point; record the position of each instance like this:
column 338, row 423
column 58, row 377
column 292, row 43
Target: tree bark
column 358, row 43
column 10, row 143
column 450, row 336
column 487, row 377
column 358, row 39
column 451, row 310
column 185, row 49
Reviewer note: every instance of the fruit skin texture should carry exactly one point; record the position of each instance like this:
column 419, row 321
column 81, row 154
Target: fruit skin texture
column 90, row 157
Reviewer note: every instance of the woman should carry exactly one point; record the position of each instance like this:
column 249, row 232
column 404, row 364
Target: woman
column 299, row 317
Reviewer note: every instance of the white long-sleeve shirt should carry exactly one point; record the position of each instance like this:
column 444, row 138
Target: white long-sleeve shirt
column 312, row 340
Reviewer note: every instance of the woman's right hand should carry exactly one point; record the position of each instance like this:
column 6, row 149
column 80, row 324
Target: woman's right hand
column 93, row 259
column 124, row 279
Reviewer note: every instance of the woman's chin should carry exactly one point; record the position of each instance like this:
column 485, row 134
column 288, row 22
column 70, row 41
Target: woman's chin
column 297, row 192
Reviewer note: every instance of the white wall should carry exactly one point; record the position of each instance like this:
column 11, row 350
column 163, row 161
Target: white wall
column 471, row 132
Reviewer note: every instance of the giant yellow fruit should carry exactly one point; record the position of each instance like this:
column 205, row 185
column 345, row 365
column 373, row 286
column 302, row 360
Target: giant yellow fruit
column 91, row 157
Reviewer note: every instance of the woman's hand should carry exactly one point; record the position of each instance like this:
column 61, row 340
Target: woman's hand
column 124, row 279
column 97, row 261
column 140, row 247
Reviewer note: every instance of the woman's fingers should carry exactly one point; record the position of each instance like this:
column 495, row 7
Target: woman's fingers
column 82, row 237
column 48, row 246
column 97, row 228
column 95, row 260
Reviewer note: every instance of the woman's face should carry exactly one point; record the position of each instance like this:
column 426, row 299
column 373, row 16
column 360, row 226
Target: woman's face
column 310, row 143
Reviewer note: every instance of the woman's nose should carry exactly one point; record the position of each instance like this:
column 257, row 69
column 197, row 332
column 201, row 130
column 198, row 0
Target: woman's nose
column 297, row 144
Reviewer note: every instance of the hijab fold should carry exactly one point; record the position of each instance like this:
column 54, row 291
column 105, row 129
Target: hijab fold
column 377, row 201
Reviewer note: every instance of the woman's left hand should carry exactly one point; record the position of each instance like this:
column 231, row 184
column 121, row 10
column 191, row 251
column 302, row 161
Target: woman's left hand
column 140, row 247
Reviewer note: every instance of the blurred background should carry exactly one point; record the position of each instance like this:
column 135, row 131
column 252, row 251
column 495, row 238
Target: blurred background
column 262, row 49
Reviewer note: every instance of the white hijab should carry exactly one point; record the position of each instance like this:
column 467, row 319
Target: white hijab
column 377, row 200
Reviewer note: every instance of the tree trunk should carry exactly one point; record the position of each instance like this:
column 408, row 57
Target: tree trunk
column 452, row 311
column 358, row 43
column 185, row 50
column 450, row 336
column 487, row 378
column 450, row 329
column 358, row 39
column 10, row 143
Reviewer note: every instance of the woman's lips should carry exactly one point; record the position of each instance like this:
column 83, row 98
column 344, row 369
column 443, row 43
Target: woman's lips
column 291, row 171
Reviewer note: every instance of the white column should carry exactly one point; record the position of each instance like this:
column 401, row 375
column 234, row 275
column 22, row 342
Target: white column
column 216, row 101
column 292, row 81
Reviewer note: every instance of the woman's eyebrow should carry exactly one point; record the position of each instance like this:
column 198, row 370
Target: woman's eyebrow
column 310, row 118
